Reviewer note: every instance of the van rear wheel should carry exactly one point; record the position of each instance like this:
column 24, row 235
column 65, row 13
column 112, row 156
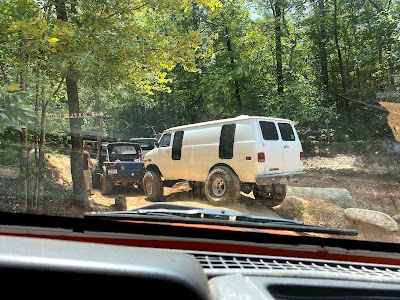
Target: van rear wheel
column 273, row 196
column 222, row 186
column 153, row 186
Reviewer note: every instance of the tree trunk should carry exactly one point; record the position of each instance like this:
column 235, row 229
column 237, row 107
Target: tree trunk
column 40, row 161
column 24, row 167
column 236, row 83
column 322, row 39
column 79, row 194
column 391, row 64
column 98, row 122
column 340, row 59
column 278, row 46
column 339, row 53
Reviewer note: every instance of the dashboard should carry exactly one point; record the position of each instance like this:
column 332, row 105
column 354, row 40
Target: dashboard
column 70, row 257
column 49, row 267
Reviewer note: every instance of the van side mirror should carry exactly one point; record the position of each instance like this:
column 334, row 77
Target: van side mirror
column 156, row 144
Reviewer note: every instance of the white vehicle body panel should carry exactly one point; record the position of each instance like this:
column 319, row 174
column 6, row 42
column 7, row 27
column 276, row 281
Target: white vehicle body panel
column 200, row 150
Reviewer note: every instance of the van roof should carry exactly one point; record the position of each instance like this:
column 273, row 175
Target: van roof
column 238, row 118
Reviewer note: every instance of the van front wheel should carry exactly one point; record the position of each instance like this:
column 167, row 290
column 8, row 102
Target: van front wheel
column 222, row 186
column 153, row 186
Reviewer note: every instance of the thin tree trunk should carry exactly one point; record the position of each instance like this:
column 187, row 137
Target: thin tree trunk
column 278, row 47
column 24, row 166
column 24, row 163
column 339, row 53
column 98, row 122
column 33, row 188
column 41, row 163
column 323, row 56
column 236, row 83
column 391, row 64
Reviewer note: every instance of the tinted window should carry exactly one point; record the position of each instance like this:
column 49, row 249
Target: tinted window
column 146, row 145
column 286, row 131
column 123, row 149
column 165, row 140
column 226, row 141
column 177, row 145
column 269, row 131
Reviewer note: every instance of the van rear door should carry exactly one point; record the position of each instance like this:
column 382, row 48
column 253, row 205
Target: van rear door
column 273, row 148
column 291, row 147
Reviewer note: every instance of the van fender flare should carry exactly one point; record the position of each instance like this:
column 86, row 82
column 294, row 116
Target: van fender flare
column 154, row 168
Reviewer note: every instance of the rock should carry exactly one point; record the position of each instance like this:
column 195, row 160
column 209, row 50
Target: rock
column 372, row 217
column 338, row 196
column 120, row 202
column 396, row 217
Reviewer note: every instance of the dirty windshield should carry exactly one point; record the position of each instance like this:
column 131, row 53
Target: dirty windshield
column 283, row 109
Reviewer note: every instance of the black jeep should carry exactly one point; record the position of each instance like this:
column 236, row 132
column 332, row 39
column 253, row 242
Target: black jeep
column 119, row 163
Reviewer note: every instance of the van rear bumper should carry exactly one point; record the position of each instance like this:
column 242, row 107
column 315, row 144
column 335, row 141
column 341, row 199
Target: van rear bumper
column 282, row 178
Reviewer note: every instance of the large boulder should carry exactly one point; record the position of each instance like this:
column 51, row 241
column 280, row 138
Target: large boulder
column 340, row 197
column 373, row 217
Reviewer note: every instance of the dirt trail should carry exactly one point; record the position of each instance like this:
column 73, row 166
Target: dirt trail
column 368, row 184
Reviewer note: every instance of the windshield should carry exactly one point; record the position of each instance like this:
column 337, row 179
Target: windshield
column 282, row 109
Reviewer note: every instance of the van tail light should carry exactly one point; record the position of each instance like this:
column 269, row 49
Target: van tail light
column 107, row 158
column 261, row 157
column 301, row 155
column 141, row 156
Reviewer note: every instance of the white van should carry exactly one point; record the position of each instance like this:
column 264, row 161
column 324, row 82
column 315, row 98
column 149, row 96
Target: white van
column 227, row 156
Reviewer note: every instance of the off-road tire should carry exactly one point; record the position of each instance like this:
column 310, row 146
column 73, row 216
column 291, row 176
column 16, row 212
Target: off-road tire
column 277, row 197
column 106, row 185
column 222, row 186
column 95, row 179
column 153, row 186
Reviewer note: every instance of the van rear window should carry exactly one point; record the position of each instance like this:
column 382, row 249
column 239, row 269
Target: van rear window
column 269, row 131
column 286, row 131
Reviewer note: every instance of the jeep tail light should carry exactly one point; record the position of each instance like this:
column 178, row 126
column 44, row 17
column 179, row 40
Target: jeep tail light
column 261, row 157
column 301, row 155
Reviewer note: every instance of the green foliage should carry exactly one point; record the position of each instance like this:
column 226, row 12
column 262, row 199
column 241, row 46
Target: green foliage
column 9, row 155
column 14, row 113
column 164, row 62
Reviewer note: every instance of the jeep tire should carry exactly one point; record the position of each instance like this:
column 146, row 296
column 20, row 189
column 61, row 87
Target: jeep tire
column 222, row 186
column 153, row 186
column 106, row 185
column 95, row 178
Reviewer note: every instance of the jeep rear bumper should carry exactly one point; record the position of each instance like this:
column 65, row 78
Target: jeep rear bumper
column 281, row 178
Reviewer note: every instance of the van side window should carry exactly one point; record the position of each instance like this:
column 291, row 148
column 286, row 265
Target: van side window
column 177, row 145
column 226, row 141
column 286, row 131
column 165, row 140
column 269, row 131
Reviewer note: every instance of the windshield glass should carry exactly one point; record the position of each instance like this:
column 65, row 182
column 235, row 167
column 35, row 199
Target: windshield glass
column 283, row 109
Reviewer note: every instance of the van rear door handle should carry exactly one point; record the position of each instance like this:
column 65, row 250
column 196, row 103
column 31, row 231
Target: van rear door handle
column 286, row 146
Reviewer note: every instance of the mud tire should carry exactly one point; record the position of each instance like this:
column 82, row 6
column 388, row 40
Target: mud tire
column 222, row 186
column 95, row 179
column 106, row 185
column 276, row 198
column 153, row 186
